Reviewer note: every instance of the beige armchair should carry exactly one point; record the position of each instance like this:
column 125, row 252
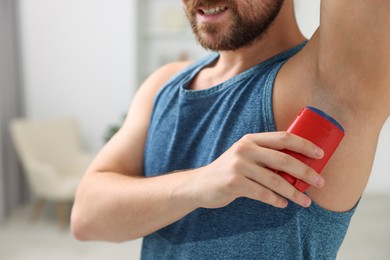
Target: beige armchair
column 53, row 160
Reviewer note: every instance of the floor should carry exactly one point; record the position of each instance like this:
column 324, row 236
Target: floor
column 21, row 239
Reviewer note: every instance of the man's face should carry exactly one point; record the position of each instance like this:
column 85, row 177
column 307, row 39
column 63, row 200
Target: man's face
column 224, row 25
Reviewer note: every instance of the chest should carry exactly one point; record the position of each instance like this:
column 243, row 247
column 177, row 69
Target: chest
column 190, row 129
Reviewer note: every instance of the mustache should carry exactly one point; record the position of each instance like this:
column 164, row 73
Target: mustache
column 192, row 5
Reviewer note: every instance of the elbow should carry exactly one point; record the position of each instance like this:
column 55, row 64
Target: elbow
column 79, row 226
column 84, row 229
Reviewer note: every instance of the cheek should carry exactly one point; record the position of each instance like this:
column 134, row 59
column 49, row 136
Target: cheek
column 247, row 10
column 189, row 7
column 255, row 9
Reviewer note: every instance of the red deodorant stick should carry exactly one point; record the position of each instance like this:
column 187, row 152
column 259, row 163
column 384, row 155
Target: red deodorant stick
column 322, row 130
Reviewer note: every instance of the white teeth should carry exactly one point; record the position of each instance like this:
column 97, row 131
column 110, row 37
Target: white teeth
column 213, row 11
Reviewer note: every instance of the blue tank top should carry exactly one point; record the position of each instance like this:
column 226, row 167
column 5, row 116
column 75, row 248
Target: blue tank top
column 190, row 129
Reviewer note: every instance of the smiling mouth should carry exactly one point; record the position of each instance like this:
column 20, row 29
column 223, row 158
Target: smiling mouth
column 213, row 11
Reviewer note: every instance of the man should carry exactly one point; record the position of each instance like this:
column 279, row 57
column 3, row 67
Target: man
column 190, row 168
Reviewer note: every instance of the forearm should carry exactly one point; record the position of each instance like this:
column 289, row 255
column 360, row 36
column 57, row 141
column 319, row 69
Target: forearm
column 115, row 207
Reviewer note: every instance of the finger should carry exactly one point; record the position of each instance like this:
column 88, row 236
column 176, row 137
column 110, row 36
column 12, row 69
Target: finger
column 277, row 184
column 286, row 140
column 253, row 190
column 284, row 162
column 278, row 160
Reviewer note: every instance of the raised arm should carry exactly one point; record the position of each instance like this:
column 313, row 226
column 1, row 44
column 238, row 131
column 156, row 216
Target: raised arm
column 345, row 70
column 354, row 51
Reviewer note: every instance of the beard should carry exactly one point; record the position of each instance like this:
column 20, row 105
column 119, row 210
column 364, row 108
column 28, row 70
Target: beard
column 249, row 22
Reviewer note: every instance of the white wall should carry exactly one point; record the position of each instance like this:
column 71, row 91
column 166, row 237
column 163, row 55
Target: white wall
column 79, row 61
column 308, row 15
column 2, row 202
column 380, row 176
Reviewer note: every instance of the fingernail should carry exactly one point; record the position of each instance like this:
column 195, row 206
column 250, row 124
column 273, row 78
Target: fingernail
column 319, row 152
column 284, row 203
column 306, row 202
column 319, row 181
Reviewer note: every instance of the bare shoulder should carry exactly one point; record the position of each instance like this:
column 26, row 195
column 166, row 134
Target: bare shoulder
column 161, row 76
column 139, row 113
column 124, row 152
column 143, row 100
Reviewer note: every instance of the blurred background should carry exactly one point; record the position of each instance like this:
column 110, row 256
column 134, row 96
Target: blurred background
column 71, row 67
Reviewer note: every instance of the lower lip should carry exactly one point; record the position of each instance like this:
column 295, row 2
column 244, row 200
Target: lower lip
column 210, row 18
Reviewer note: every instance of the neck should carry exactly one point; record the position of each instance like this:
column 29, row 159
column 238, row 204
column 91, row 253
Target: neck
column 283, row 34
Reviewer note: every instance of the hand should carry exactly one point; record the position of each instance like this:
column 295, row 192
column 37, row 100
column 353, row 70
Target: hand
column 244, row 171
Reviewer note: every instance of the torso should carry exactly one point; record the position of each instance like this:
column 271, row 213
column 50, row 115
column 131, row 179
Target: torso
column 187, row 123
